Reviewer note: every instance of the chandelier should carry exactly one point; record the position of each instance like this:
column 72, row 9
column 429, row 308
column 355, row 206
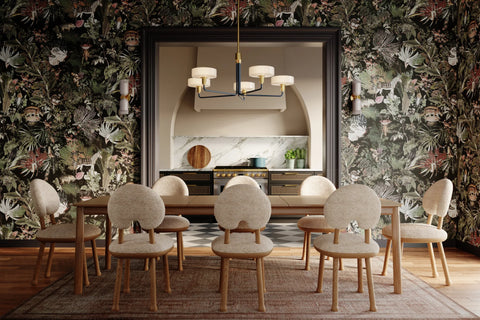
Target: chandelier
column 201, row 77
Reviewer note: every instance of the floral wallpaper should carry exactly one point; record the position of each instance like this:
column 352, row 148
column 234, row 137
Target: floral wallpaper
column 61, row 62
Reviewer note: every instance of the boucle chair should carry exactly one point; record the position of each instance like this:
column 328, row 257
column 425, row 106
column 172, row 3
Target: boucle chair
column 348, row 203
column 173, row 186
column 314, row 185
column 247, row 205
column 46, row 203
column 133, row 202
column 436, row 202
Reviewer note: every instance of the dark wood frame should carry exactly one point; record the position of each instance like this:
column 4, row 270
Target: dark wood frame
column 330, row 37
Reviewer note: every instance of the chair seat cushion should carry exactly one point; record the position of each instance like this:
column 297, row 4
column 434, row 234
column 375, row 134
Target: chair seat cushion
column 242, row 244
column 417, row 233
column 173, row 224
column 350, row 245
column 138, row 244
column 66, row 232
column 314, row 224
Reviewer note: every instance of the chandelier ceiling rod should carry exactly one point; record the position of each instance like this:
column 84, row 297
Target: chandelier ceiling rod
column 201, row 76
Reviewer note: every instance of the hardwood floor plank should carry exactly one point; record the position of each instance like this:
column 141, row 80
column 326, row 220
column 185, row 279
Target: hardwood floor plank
column 16, row 268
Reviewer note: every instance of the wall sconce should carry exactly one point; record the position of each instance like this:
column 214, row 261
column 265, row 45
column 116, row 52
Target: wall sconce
column 124, row 96
column 355, row 97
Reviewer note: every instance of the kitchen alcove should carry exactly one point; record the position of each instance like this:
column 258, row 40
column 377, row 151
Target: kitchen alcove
column 161, row 91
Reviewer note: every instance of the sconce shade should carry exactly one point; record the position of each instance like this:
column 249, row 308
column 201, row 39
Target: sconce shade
column 285, row 80
column 356, row 87
column 124, row 87
column 123, row 107
column 197, row 82
column 257, row 71
column 244, row 86
column 356, row 106
column 204, row 72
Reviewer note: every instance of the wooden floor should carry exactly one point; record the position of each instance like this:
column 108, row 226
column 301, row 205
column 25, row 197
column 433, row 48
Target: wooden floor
column 16, row 265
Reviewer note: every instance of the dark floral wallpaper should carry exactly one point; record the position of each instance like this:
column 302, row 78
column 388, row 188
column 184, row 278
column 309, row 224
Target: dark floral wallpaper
column 61, row 62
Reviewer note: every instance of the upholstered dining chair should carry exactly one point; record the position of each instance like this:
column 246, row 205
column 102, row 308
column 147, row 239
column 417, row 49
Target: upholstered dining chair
column 314, row 185
column 435, row 202
column 133, row 202
column 46, row 203
column 173, row 186
column 348, row 203
column 247, row 206
column 241, row 180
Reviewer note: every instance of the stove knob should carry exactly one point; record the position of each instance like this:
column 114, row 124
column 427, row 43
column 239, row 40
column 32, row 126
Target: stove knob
column 234, row 175
column 229, row 174
column 264, row 174
column 247, row 174
column 223, row 174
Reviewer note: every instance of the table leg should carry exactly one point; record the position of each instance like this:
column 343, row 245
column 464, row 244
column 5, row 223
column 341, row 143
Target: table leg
column 108, row 241
column 79, row 251
column 397, row 252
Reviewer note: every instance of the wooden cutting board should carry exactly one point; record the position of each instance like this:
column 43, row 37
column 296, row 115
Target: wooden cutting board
column 198, row 156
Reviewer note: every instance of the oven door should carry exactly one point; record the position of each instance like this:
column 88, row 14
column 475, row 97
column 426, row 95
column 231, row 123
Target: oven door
column 219, row 185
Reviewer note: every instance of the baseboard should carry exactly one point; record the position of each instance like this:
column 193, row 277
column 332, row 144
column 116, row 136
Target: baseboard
column 468, row 247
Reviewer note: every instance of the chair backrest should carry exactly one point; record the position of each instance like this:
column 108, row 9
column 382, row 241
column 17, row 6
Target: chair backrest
column 135, row 202
column 353, row 202
column 242, row 203
column 317, row 185
column 170, row 186
column 241, row 180
column 436, row 199
column 45, row 198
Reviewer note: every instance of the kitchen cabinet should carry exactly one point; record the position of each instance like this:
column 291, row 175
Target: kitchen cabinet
column 288, row 182
column 198, row 182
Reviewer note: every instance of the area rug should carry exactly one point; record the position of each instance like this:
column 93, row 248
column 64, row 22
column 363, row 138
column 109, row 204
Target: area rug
column 290, row 294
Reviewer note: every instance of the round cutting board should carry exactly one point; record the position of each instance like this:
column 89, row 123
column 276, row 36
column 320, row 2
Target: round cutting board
column 198, row 156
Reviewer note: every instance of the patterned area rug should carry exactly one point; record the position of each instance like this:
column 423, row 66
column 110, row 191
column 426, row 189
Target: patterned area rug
column 290, row 294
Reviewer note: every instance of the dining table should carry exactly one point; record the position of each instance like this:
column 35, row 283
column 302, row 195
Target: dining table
column 282, row 205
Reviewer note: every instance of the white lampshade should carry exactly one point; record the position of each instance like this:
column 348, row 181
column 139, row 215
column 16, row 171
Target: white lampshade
column 285, row 80
column 197, row 82
column 123, row 107
column 204, row 72
column 356, row 106
column 356, row 87
column 124, row 87
column 257, row 71
column 244, row 85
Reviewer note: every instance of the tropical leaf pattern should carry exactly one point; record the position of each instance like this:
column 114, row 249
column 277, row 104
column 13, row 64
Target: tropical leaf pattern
column 61, row 62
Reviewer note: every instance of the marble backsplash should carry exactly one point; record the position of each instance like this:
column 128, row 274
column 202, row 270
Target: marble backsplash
column 237, row 150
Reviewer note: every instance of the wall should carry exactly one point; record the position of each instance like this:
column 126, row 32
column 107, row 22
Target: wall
column 61, row 63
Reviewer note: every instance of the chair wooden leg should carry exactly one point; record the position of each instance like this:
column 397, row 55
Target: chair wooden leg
column 360, row 275
column 224, row 284
column 341, row 264
column 126, row 282
column 304, row 245
column 180, row 250
column 166, row 273
column 263, row 272
column 85, row 268
column 153, row 286
column 307, row 250
column 48, row 270
column 260, row 285
column 95, row 258
column 387, row 256
column 444, row 263
column 371, row 293
column 432, row 260
column 118, row 286
column 38, row 264
column 320, row 273
column 335, row 285
column 146, row 262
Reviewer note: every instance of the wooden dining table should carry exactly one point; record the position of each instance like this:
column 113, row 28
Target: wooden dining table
column 204, row 205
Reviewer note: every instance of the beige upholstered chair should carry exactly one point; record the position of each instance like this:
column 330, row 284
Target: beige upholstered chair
column 314, row 185
column 46, row 203
column 249, row 207
column 173, row 186
column 133, row 202
column 436, row 202
column 241, row 180
column 351, row 202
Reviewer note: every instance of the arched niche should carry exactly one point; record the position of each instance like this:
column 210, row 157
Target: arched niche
column 153, row 121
